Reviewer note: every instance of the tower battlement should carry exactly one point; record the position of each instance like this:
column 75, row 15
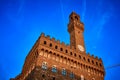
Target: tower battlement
column 57, row 42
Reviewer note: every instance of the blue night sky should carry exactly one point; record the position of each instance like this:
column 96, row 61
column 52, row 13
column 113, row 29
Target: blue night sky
column 22, row 22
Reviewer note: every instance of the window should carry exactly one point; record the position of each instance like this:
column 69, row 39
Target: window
column 84, row 58
column 66, row 51
column 97, row 63
column 63, row 72
column 53, row 78
column 50, row 44
column 44, row 65
column 45, row 42
column 79, row 56
column 88, row 60
column 92, row 62
column 71, row 75
column 56, row 47
column 43, row 76
column 70, row 53
column 61, row 49
column 76, row 17
column 75, row 54
column 54, row 69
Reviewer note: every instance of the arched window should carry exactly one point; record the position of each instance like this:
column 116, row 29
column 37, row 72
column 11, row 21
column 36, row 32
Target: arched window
column 66, row 51
column 44, row 65
column 79, row 57
column 71, row 75
column 92, row 62
column 43, row 76
column 45, row 42
column 71, row 18
column 64, row 72
column 53, row 78
column 75, row 54
column 54, row 69
column 56, row 47
column 76, row 17
column 84, row 58
column 88, row 60
column 97, row 63
column 61, row 49
column 70, row 53
column 50, row 44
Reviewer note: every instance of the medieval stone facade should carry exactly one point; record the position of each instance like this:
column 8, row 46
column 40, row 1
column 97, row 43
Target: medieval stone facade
column 51, row 60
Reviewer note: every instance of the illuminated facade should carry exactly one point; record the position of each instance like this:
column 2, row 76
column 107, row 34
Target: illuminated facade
column 51, row 60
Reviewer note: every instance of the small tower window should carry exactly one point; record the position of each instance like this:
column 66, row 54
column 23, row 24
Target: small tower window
column 44, row 65
column 54, row 69
column 71, row 75
column 76, row 17
column 64, row 72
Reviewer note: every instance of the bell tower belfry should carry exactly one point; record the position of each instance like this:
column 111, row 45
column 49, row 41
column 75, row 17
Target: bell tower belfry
column 76, row 29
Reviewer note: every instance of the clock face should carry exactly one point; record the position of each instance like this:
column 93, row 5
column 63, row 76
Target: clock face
column 81, row 48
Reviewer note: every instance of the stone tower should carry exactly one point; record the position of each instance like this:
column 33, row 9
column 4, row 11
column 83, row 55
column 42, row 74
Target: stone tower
column 51, row 60
column 76, row 28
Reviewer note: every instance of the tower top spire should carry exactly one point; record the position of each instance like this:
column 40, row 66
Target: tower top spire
column 74, row 17
column 73, row 13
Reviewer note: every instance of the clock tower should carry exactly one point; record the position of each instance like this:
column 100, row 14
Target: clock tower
column 76, row 29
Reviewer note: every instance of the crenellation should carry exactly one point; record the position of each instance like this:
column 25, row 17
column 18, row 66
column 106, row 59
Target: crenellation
column 58, row 41
column 88, row 54
column 68, row 47
column 48, row 37
column 43, row 34
column 93, row 56
column 96, row 57
column 53, row 39
column 63, row 44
